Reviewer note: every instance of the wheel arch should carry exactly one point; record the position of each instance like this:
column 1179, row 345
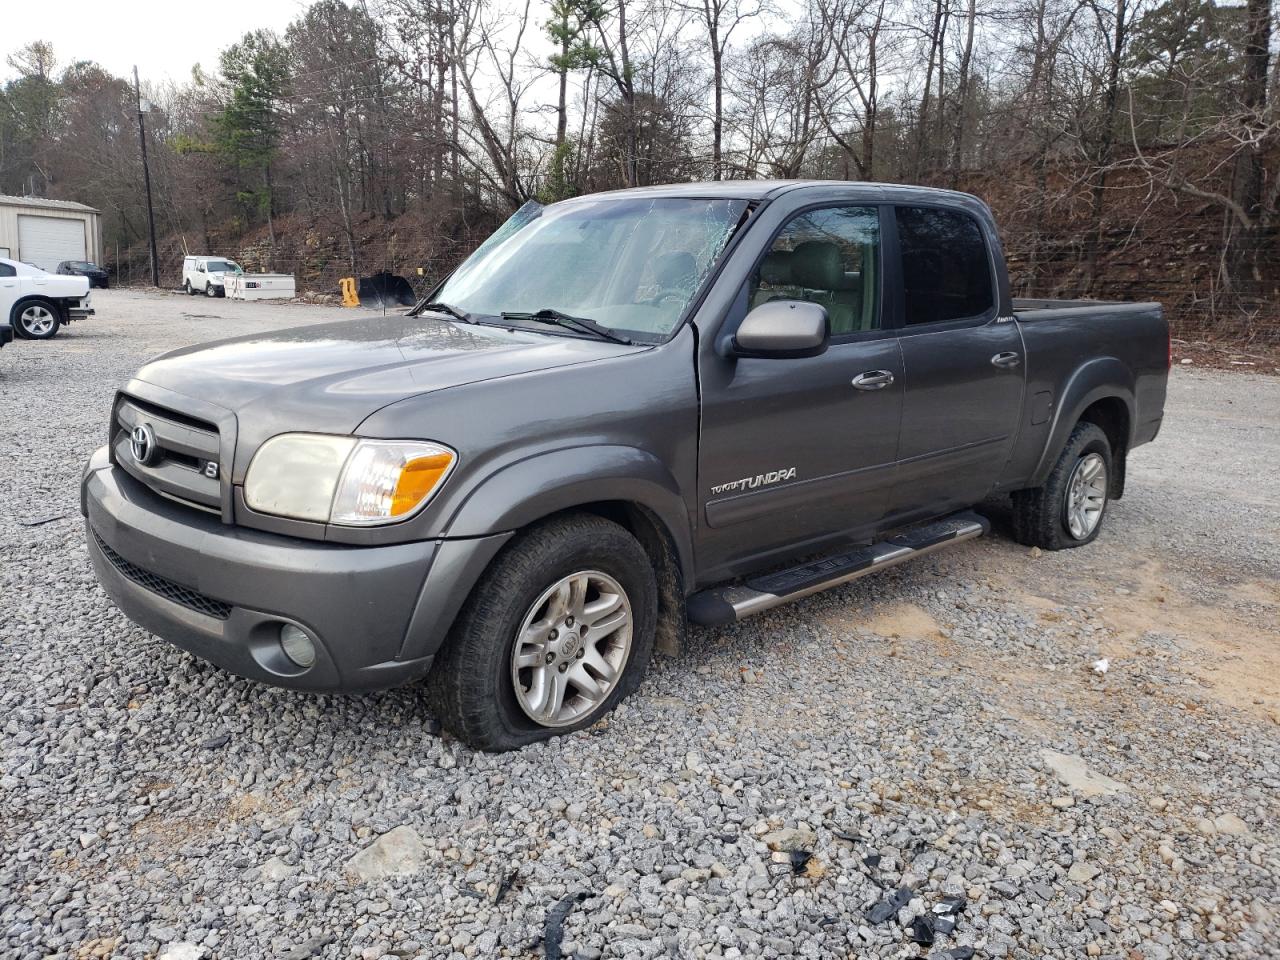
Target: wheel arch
column 27, row 299
column 1100, row 392
column 1111, row 415
column 626, row 485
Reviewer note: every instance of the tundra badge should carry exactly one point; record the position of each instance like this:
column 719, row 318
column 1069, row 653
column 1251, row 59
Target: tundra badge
column 759, row 480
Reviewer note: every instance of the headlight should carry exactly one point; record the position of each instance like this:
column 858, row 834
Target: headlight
column 344, row 480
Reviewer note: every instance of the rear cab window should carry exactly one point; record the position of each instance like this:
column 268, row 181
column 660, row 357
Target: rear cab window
column 946, row 268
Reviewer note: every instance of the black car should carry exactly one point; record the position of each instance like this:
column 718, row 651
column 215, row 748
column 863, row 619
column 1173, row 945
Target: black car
column 83, row 268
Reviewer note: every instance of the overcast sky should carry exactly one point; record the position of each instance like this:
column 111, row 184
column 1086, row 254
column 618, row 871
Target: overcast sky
column 163, row 37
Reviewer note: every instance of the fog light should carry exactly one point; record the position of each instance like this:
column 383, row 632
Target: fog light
column 297, row 646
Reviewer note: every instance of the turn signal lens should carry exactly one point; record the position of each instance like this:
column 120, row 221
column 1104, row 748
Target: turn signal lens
column 418, row 478
column 387, row 480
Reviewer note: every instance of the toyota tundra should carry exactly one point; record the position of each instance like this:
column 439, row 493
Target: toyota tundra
column 622, row 413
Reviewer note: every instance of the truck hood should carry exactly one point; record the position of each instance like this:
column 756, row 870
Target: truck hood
column 330, row 377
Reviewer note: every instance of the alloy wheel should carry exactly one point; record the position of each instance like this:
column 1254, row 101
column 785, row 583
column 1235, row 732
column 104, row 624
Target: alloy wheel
column 1086, row 496
column 37, row 320
column 572, row 648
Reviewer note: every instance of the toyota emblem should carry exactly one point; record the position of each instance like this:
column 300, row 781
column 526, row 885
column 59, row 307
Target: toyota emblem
column 142, row 443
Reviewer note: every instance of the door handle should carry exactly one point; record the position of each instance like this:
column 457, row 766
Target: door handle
column 1009, row 359
column 873, row 380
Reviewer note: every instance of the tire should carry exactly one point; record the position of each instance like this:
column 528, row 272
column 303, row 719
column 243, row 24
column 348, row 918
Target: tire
column 36, row 320
column 208, row 290
column 186, row 286
column 476, row 690
column 1044, row 516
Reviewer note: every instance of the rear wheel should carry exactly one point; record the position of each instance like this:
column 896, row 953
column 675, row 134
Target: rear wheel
column 555, row 633
column 186, row 286
column 36, row 320
column 1068, row 508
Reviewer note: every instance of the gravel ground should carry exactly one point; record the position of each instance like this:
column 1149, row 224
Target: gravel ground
column 937, row 728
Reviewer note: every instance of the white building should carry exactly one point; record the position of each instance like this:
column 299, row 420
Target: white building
column 46, row 232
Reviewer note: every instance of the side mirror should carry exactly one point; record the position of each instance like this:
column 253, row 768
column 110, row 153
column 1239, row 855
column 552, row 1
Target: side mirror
column 783, row 329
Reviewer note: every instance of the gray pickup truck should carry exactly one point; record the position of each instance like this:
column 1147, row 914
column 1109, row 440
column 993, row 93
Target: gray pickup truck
column 622, row 413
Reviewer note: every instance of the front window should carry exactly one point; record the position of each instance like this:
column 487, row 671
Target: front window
column 831, row 257
column 222, row 266
column 629, row 264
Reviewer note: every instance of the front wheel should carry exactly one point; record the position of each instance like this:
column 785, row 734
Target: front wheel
column 208, row 290
column 37, row 321
column 1067, row 509
column 555, row 633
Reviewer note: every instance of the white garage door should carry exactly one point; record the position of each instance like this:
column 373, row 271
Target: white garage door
column 47, row 241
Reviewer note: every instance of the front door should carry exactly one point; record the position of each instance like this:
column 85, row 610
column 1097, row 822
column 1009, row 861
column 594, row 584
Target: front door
column 799, row 453
column 964, row 367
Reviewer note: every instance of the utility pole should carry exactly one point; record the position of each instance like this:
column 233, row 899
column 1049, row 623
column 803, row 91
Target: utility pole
column 146, row 179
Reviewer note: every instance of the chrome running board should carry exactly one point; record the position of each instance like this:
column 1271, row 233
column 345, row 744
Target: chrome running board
column 727, row 604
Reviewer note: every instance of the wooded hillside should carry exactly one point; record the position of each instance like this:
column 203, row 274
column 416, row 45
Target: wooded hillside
column 1130, row 148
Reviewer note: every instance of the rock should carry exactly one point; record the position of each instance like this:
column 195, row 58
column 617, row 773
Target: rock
column 1230, row 824
column 1082, row 872
column 1063, row 803
column 308, row 948
column 396, row 853
column 789, row 839
column 1074, row 773
column 1205, row 826
column 276, row 869
column 181, row 950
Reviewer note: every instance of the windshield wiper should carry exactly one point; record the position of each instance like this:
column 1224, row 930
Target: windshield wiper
column 445, row 309
column 581, row 324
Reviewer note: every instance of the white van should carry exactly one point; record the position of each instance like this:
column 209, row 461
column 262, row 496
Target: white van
column 207, row 275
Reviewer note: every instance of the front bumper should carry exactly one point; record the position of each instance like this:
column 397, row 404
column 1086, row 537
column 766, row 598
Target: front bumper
column 375, row 615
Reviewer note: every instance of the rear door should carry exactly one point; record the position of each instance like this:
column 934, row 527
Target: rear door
column 797, row 452
column 963, row 363
column 8, row 290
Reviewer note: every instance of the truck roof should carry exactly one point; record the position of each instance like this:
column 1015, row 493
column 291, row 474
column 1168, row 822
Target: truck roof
column 766, row 189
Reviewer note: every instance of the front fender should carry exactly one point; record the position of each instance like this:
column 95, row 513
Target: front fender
column 1098, row 379
column 528, row 490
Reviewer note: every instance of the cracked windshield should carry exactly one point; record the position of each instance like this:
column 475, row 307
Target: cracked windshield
column 630, row 265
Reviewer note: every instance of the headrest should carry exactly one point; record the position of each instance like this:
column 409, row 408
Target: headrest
column 817, row 264
column 775, row 269
column 675, row 269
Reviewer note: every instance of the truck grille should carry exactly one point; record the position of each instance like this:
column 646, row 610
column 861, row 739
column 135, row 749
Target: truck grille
column 179, row 467
column 176, row 592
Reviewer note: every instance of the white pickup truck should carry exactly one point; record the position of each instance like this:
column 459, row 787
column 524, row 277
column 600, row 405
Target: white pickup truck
column 36, row 303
